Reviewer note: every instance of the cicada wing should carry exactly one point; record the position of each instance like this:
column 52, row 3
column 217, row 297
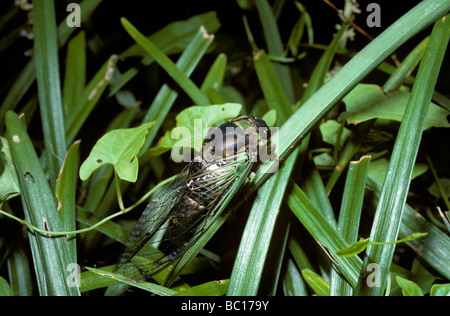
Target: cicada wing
column 230, row 184
column 183, row 225
column 158, row 211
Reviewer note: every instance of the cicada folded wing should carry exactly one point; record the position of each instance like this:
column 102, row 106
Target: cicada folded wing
column 153, row 222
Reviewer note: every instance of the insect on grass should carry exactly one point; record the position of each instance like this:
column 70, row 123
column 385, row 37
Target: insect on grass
column 182, row 211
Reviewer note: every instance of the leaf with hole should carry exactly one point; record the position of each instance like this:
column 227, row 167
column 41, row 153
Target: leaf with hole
column 118, row 147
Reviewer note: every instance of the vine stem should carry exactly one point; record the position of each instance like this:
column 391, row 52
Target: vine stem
column 80, row 231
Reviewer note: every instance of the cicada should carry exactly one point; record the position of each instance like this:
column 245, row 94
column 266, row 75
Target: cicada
column 183, row 210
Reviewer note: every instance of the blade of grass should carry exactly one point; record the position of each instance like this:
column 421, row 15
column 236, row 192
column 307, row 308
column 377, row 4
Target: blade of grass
column 75, row 74
column 350, row 149
column 271, row 86
column 215, row 75
column 349, row 216
column 395, row 188
column 65, row 194
column 323, row 232
column 19, row 270
column 316, row 282
column 51, row 255
column 275, row 46
column 249, row 263
column 185, row 83
column 147, row 286
column 49, row 87
column 406, row 67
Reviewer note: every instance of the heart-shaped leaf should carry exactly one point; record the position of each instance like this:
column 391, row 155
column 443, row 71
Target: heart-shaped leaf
column 119, row 148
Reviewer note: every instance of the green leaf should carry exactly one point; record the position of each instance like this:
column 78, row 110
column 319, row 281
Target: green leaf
column 275, row 48
column 434, row 249
column 367, row 101
column 193, row 124
column 5, row 290
column 331, row 130
column 362, row 244
column 350, row 214
column 440, row 290
column 119, row 148
column 316, row 282
column 216, row 74
column 354, row 248
column 254, row 246
column 409, row 288
column 274, row 93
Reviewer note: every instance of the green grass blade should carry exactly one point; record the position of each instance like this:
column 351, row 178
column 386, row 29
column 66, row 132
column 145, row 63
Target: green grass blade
column 49, row 87
column 320, row 286
column 271, row 86
column 147, row 286
column 185, row 83
column 275, row 46
column 75, row 74
column 172, row 39
column 19, row 270
column 323, row 232
column 349, row 216
column 248, row 266
column 66, row 186
column 406, row 67
column 395, row 188
column 51, row 255
column 216, row 74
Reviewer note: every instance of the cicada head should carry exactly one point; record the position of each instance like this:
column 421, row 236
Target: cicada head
column 236, row 139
